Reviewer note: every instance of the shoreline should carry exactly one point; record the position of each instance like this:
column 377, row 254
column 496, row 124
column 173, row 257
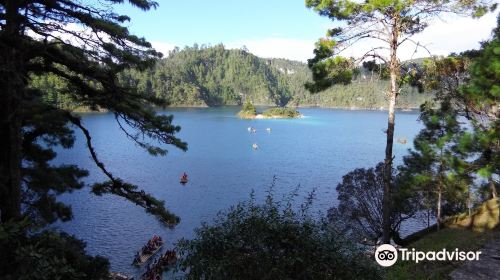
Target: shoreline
column 263, row 117
column 401, row 109
column 352, row 108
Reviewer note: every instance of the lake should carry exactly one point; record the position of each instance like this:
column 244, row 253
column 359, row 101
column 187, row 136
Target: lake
column 313, row 152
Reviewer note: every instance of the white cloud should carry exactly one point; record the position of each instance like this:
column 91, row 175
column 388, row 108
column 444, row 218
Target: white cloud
column 293, row 49
column 453, row 34
column 456, row 34
column 163, row 47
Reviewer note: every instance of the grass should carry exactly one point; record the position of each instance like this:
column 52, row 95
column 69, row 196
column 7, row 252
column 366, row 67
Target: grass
column 485, row 217
column 462, row 232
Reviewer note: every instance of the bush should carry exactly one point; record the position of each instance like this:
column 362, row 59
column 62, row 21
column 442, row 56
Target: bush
column 271, row 241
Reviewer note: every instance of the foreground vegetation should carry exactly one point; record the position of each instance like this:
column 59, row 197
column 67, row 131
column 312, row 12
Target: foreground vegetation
column 272, row 240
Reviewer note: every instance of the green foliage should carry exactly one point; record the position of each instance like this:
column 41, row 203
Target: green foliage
column 213, row 76
column 42, row 77
column 272, row 241
column 435, row 166
column 60, row 76
column 366, row 91
column 480, row 100
column 388, row 22
column 281, row 112
column 330, row 71
column 248, row 108
column 46, row 255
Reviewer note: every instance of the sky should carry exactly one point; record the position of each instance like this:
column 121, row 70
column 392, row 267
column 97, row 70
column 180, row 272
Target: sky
column 279, row 28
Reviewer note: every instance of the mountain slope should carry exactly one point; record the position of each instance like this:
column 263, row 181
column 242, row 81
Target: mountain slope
column 215, row 76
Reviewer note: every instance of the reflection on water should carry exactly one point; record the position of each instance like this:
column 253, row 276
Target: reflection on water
column 313, row 152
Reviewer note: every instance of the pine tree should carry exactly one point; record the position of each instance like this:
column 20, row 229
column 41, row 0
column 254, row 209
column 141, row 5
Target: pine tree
column 436, row 167
column 391, row 23
column 480, row 100
column 33, row 43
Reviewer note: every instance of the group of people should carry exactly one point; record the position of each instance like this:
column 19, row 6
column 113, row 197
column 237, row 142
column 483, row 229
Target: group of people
column 154, row 243
column 154, row 271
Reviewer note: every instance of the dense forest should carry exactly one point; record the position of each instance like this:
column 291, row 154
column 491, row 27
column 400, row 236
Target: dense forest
column 215, row 76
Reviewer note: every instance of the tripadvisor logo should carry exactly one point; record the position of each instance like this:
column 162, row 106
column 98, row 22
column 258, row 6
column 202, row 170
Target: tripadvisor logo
column 386, row 255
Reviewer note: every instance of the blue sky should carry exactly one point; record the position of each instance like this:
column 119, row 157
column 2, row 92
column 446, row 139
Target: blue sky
column 187, row 22
column 278, row 28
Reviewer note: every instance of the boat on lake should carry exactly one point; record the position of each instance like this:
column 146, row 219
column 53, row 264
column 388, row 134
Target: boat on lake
column 184, row 178
column 164, row 262
column 119, row 276
column 150, row 249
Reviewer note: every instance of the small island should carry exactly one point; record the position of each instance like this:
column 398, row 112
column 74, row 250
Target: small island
column 248, row 111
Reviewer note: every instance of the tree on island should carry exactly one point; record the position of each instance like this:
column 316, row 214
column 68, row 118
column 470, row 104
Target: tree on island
column 249, row 108
column 85, row 45
column 391, row 24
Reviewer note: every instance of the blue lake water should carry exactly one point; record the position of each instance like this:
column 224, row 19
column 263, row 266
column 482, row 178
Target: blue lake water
column 314, row 151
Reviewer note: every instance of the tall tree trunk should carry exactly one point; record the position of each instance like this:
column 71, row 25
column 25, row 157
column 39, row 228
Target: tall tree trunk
column 12, row 84
column 469, row 201
column 438, row 208
column 394, row 69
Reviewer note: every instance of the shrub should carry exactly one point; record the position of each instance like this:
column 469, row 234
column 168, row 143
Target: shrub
column 271, row 241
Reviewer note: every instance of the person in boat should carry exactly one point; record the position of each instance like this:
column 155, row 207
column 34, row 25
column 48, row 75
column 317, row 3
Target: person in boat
column 137, row 258
column 184, row 177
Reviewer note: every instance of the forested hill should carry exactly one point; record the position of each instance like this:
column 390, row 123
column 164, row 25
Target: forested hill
column 211, row 76
column 214, row 76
